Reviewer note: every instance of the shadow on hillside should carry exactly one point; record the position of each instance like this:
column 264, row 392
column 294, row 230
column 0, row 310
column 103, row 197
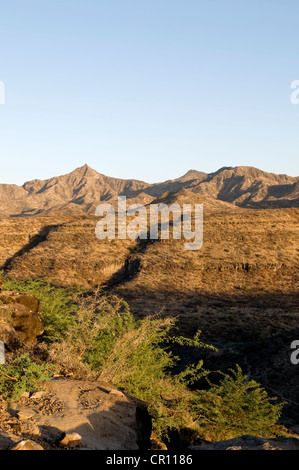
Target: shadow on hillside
column 176, row 301
column 272, row 204
column 254, row 330
column 33, row 243
column 267, row 360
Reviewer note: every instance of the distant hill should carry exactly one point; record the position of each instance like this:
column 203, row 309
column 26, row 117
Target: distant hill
column 80, row 191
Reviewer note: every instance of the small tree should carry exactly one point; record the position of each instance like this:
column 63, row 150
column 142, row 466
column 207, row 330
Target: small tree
column 237, row 406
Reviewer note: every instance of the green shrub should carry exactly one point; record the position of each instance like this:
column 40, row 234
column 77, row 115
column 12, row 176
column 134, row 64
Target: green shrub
column 132, row 355
column 22, row 375
column 135, row 356
column 235, row 407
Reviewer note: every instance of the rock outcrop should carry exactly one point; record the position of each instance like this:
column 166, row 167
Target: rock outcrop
column 27, row 445
column 20, row 322
column 76, row 413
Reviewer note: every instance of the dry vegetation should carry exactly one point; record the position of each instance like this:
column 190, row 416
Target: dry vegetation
column 248, row 262
column 240, row 289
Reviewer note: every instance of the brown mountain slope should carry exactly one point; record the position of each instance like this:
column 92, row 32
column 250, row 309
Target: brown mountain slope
column 187, row 196
column 77, row 192
column 250, row 187
column 80, row 191
column 243, row 252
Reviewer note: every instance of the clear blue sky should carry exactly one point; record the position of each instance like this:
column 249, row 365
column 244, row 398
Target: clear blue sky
column 147, row 89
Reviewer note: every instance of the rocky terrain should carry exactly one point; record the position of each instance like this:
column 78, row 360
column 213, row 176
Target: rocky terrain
column 71, row 413
column 67, row 413
column 240, row 289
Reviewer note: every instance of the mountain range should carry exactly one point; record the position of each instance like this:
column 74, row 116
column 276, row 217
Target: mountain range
column 80, row 191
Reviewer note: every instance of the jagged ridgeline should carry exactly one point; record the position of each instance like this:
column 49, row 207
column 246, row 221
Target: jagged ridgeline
column 80, row 191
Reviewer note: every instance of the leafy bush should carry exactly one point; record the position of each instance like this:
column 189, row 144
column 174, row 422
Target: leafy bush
column 236, row 406
column 22, row 375
column 134, row 356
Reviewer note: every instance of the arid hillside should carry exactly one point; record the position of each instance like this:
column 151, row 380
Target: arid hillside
column 248, row 257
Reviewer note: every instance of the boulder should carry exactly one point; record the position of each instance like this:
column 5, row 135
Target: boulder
column 8, row 440
column 28, row 300
column 83, row 414
column 25, row 322
column 26, row 414
column 36, row 395
column 9, row 336
column 77, row 414
column 70, row 439
column 27, row 445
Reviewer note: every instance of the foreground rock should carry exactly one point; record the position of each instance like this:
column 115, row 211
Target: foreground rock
column 20, row 321
column 9, row 336
column 70, row 439
column 248, row 442
column 77, row 414
column 27, row 300
column 27, row 445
